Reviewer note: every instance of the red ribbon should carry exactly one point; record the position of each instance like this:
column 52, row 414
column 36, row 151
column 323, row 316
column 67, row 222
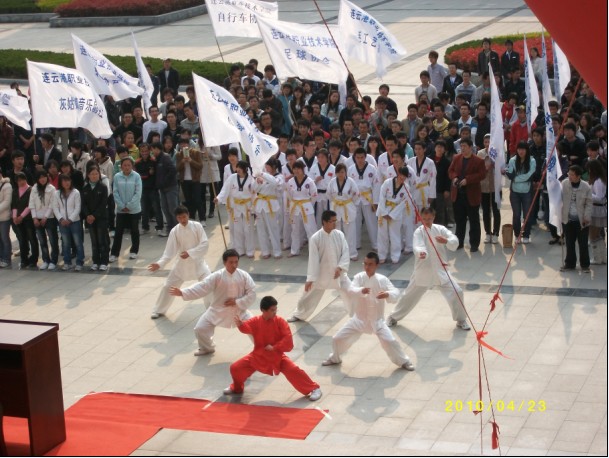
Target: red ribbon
column 495, row 435
column 494, row 300
column 480, row 335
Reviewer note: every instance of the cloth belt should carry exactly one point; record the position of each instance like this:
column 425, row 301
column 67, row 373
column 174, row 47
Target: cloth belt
column 343, row 204
column 421, row 187
column 367, row 195
column 267, row 199
column 322, row 191
column 300, row 204
column 231, row 210
column 389, row 204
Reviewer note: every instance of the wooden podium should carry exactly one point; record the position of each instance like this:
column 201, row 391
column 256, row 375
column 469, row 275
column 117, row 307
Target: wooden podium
column 30, row 381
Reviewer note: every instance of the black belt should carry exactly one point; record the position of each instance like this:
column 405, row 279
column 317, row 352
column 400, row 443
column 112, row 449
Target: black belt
column 599, row 205
column 323, row 191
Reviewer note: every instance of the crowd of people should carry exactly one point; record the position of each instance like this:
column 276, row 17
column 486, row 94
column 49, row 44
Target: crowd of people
column 372, row 165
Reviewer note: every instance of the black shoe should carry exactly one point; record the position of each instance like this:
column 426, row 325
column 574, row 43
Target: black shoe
column 460, row 247
column 554, row 241
column 210, row 215
column 473, row 249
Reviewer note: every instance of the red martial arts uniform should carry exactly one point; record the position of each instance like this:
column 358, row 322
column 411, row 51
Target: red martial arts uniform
column 277, row 333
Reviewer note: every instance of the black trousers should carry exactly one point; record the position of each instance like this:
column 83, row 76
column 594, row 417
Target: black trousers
column 465, row 212
column 131, row 221
column 575, row 233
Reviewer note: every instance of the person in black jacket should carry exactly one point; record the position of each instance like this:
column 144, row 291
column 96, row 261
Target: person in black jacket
column 169, row 77
column 151, row 204
column 488, row 55
column 78, row 179
column 442, row 204
column 95, row 213
column 510, row 59
column 47, row 152
column 23, row 224
column 167, row 183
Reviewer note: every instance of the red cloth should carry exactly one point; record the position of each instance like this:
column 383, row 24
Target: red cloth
column 275, row 332
column 518, row 132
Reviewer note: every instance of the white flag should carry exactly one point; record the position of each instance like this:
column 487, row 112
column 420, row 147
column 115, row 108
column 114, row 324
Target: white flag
column 238, row 19
column 530, row 86
column 105, row 77
column 366, row 39
column 496, row 149
column 562, row 71
column 144, row 80
column 303, row 50
column 224, row 121
column 553, row 165
column 63, row 97
column 15, row 108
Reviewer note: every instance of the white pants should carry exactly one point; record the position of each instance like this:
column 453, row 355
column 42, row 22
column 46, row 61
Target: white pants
column 287, row 227
column 309, row 301
column 350, row 234
column 414, row 292
column 242, row 235
column 321, row 205
column 204, row 331
column 298, row 235
column 348, row 335
column 371, row 221
column 165, row 299
column 268, row 234
column 389, row 236
column 408, row 228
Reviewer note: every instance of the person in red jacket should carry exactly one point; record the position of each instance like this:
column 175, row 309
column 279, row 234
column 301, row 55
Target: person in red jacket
column 519, row 131
column 272, row 339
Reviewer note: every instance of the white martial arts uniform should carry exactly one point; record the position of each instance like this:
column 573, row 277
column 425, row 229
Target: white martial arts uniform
column 393, row 203
column 368, row 316
column 308, row 164
column 267, row 207
column 383, row 164
column 192, row 239
column 369, row 159
column 323, row 202
column 408, row 217
column 429, row 272
column 367, row 181
column 339, row 160
column 223, row 286
column 345, row 202
column 327, row 251
column 228, row 171
column 424, row 181
column 238, row 196
column 286, row 173
column 301, row 198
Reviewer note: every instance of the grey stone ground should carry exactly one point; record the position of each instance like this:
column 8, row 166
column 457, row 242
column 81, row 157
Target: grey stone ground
column 554, row 325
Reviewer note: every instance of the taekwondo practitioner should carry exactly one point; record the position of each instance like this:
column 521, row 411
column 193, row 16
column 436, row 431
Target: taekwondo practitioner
column 365, row 176
column 302, row 194
column 188, row 241
column 424, row 189
column 344, row 199
column 367, row 295
column 328, row 262
column 272, row 339
column 321, row 173
column 233, row 291
column 266, row 204
column 429, row 271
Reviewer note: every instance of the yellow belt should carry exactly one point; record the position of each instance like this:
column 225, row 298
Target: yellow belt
column 267, row 199
column 300, row 204
column 343, row 204
column 231, row 210
column 367, row 195
column 389, row 204
column 421, row 187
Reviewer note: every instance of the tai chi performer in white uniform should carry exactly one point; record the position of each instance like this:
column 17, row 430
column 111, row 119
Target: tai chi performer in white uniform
column 344, row 199
column 429, row 272
column 238, row 194
column 233, row 291
column 188, row 241
column 367, row 295
column 328, row 262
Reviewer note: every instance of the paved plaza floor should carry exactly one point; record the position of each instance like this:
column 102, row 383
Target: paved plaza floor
column 553, row 325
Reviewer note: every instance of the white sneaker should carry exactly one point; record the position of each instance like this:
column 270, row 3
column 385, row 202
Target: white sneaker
column 526, row 240
column 162, row 233
column 293, row 319
column 449, row 225
column 488, row 238
column 315, row 395
column 463, row 325
column 78, row 268
column 4, row 264
column 112, row 234
column 408, row 366
column 494, row 239
column 66, row 267
column 391, row 322
column 112, row 258
column 155, row 315
column 52, row 266
column 203, row 223
column 43, row 266
column 201, row 352
column 94, row 267
column 228, row 391
column 103, row 267
column 132, row 255
column 328, row 362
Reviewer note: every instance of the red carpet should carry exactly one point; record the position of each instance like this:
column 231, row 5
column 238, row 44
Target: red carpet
column 116, row 424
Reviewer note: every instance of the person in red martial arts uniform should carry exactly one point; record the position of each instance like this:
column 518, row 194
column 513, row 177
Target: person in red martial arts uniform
column 272, row 338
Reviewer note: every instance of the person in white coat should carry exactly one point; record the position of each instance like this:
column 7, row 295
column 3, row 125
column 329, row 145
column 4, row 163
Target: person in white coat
column 429, row 271
column 424, row 190
column 188, row 242
column 365, row 176
column 233, row 291
column 367, row 294
column 393, row 204
column 238, row 194
column 302, row 195
column 328, row 262
column 268, row 209
column 321, row 173
column 344, row 199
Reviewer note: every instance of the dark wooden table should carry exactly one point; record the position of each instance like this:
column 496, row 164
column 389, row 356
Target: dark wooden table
column 30, row 381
